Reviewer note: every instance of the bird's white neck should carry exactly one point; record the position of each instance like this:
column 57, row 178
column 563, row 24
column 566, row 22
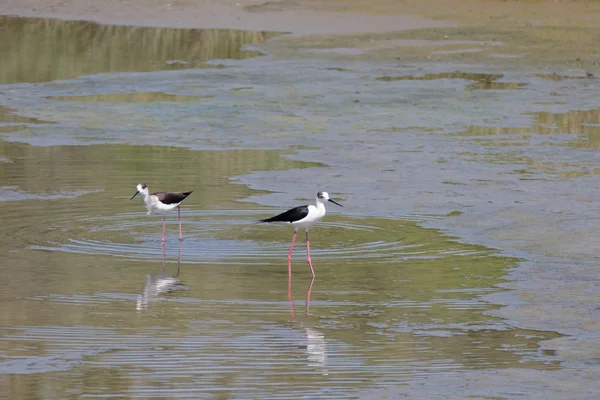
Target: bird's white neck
column 321, row 207
column 148, row 201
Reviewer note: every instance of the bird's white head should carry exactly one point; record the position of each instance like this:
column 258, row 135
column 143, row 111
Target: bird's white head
column 322, row 197
column 141, row 188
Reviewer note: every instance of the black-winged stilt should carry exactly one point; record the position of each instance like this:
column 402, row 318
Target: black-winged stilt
column 160, row 203
column 303, row 217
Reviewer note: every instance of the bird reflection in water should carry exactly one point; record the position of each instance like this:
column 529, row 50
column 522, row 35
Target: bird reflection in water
column 316, row 345
column 160, row 284
column 316, row 350
column 291, row 301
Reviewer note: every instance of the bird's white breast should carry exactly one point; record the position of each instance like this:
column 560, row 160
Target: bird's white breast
column 314, row 215
column 155, row 207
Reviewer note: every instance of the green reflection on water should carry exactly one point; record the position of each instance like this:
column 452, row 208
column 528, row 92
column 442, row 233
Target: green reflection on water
column 585, row 123
column 483, row 81
column 487, row 84
column 67, row 49
column 444, row 75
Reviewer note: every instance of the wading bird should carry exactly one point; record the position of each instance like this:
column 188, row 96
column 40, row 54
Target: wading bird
column 160, row 203
column 303, row 217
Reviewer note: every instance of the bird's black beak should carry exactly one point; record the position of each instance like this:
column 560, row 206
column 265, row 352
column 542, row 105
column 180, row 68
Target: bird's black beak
column 133, row 195
column 335, row 202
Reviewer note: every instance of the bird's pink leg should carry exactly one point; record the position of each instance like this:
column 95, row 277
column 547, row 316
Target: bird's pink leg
column 290, row 255
column 312, row 271
column 179, row 259
column 308, row 297
column 179, row 217
column 164, row 256
column 290, row 300
column 164, row 229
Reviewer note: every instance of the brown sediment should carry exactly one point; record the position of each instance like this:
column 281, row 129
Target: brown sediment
column 139, row 97
column 8, row 115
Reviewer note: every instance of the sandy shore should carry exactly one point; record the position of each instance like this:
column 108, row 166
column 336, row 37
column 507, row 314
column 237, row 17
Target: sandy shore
column 315, row 17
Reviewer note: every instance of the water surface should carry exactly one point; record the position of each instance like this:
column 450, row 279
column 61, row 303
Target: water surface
column 95, row 307
column 90, row 292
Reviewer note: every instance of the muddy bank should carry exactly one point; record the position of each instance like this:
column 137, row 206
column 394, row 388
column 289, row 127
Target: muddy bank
column 557, row 35
column 298, row 18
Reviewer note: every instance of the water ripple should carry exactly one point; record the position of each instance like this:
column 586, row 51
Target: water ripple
column 233, row 237
column 257, row 357
column 12, row 193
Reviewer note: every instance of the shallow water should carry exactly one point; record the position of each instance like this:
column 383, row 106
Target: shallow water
column 94, row 307
column 89, row 292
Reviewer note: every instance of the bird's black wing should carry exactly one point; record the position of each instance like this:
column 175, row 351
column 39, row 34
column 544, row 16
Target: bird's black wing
column 293, row 215
column 171, row 198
